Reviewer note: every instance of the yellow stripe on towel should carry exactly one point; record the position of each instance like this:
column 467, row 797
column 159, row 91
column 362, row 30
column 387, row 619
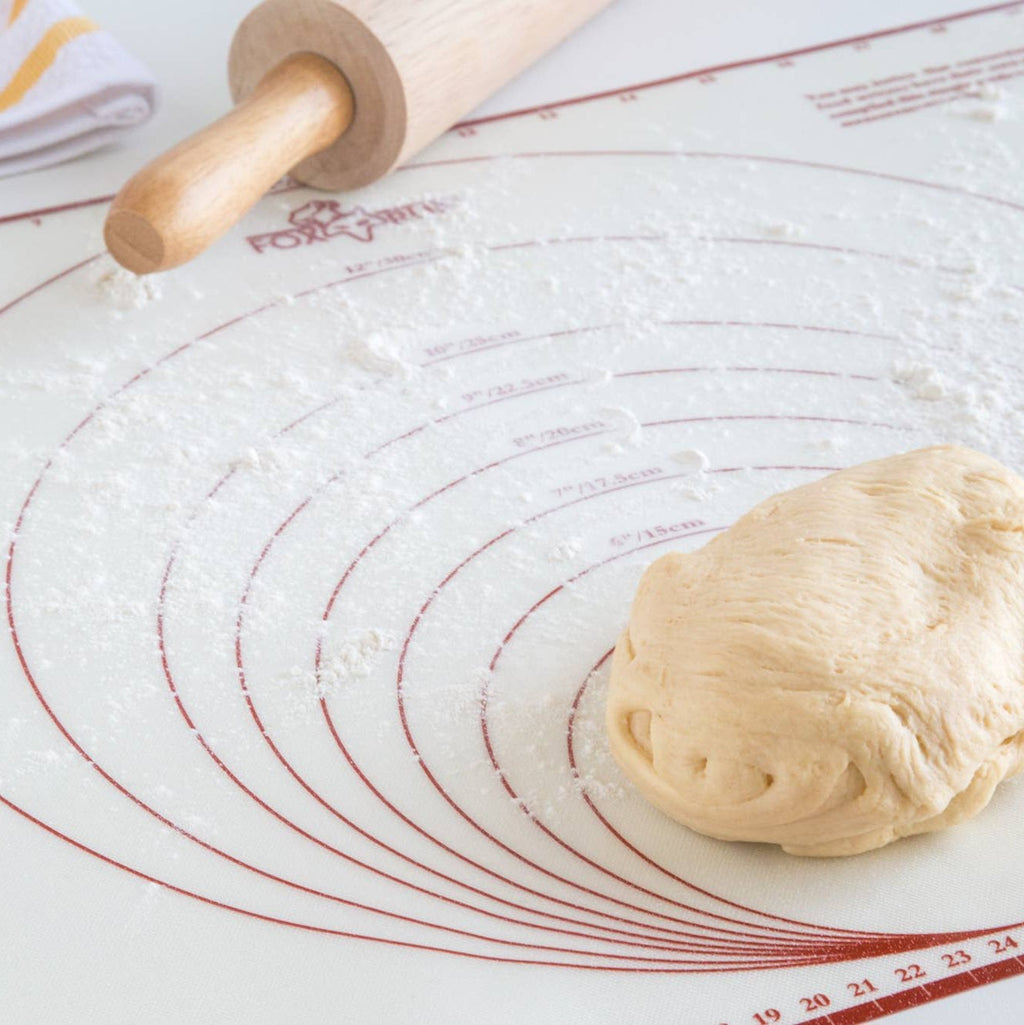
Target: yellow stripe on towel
column 16, row 8
column 42, row 56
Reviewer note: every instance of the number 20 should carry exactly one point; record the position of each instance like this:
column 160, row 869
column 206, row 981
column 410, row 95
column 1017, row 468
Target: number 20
column 814, row 1002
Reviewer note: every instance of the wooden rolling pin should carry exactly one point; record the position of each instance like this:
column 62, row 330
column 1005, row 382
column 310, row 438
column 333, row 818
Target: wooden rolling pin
column 338, row 93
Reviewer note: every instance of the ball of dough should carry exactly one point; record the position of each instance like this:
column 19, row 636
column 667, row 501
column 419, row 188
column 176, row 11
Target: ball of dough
column 842, row 667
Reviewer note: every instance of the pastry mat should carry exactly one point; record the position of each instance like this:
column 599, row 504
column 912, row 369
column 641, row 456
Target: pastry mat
column 314, row 552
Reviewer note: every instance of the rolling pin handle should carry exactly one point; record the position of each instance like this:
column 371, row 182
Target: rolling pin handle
column 184, row 200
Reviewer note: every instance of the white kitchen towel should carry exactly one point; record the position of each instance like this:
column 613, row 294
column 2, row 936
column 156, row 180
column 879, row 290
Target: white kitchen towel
column 66, row 86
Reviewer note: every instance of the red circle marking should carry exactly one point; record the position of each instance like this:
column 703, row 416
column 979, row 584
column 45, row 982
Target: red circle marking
column 326, row 710
column 908, row 941
column 401, row 705
column 870, row 944
column 418, row 258
column 117, row 785
column 502, row 776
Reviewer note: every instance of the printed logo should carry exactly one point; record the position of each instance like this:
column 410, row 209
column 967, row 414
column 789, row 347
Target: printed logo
column 320, row 220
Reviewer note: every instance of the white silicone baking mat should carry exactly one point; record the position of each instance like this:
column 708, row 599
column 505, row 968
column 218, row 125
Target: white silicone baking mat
column 314, row 551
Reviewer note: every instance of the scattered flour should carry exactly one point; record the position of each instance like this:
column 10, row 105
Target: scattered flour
column 566, row 550
column 354, row 659
column 122, row 289
column 251, row 459
column 379, row 354
column 831, row 444
column 691, row 460
column 696, row 492
column 987, row 104
column 782, row 229
column 921, row 380
column 988, row 112
column 626, row 424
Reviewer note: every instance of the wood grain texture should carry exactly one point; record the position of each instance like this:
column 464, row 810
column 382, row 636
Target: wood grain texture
column 415, row 66
column 338, row 94
column 176, row 206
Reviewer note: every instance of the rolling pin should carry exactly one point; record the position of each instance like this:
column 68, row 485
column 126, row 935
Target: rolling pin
column 336, row 93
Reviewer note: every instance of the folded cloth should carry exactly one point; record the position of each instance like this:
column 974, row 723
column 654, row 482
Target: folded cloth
column 66, row 86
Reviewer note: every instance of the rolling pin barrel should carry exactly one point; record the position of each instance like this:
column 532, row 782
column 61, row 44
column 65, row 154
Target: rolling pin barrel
column 336, row 93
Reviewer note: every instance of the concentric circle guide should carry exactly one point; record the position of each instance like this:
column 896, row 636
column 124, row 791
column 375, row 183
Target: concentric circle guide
column 313, row 575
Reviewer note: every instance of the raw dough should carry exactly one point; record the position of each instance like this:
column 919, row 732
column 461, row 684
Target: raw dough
column 842, row 667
